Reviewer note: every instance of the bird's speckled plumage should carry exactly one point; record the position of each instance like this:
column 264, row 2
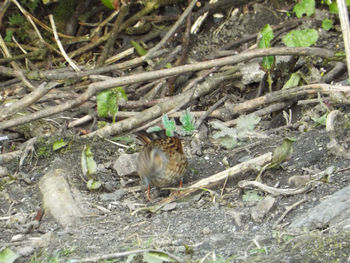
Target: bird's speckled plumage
column 162, row 162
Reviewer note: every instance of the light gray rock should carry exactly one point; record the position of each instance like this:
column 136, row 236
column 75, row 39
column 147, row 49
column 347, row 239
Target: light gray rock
column 330, row 212
column 126, row 164
column 262, row 208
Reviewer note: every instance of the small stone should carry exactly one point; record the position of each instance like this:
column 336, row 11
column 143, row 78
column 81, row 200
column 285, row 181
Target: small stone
column 169, row 207
column 298, row 181
column 115, row 196
column 262, row 208
column 206, row 230
column 3, row 171
column 126, row 164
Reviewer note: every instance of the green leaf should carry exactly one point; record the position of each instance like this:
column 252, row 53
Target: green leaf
column 140, row 50
column 251, row 196
column 169, row 125
column 293, row 81
column 333, row 8
column 111, row 4
column 153, row 129
column 16, row 20
column 282, row 153
column 327, row 24
column 88, row 165
column 300, row 38
column 8, row 256
column 108, row 100
column 103, row 99
column 266, row 37
column 187, row 122
column 265, row 42
column 321, row 120
column 304, row 7
column 9, row 34
column 58, row 144
column 93, row 185
column 268, row 63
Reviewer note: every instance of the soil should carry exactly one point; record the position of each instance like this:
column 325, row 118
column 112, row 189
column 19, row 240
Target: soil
column 212, row 225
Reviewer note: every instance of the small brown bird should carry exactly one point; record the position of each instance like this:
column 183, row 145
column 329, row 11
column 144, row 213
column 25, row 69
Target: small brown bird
column 162, row 162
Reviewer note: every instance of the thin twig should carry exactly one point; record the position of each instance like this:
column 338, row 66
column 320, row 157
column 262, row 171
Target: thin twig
column 210, row 110
column 173, row 28
column 125, row 254
column 18, row 72
column 68, row 59
column 288, row 209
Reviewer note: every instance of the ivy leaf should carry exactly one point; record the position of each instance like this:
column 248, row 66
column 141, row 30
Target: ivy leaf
column 266, row 37
column 108, row 100
column 265, row 42
column 304, row 7
column 300, row 38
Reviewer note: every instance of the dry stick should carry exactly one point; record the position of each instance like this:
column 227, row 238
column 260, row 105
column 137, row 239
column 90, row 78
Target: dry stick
column 345, row 28
column 18, row 72
column 210, row 110
column 216, row 178
column 185, row 45
column 27, row 100
column 103, row 23
column 68, row 59
column 173, row 28
column 58, row 75
column 267, row 110
column 247, row 55
column 288, row 209
column 280, row 95
column 113, row 35
column 3, row 9
column 211, row 83
column 125, row 254
column 125, row 80
column 273, row 190
column 10, row 156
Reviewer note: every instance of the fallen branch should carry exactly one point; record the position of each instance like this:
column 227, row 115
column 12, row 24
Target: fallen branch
column 142, row 77
column 217, row 178
column 273, row 190
column 125, row 254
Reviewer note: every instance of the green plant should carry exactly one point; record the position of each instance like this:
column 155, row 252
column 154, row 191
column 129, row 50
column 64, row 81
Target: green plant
column 18, row 27
column 186, row 128
column 304, row 7
column 108, row 100
column 268, row 62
